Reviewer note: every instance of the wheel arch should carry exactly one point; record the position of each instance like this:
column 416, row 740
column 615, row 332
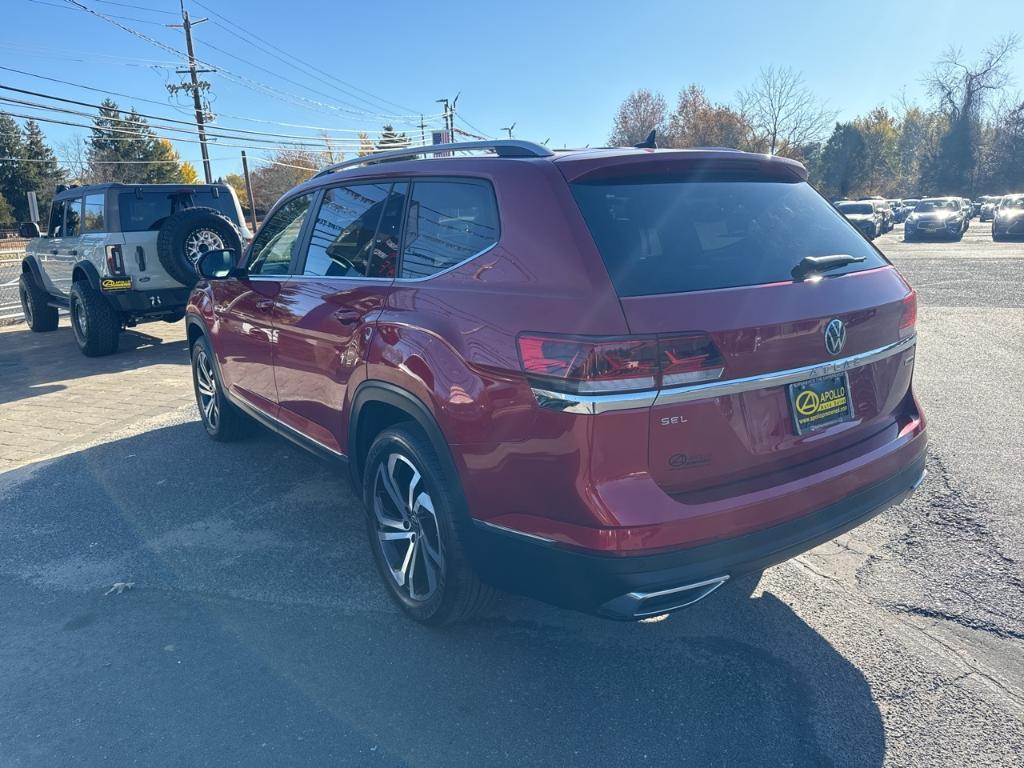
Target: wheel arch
column 29, row 266
column 86, row 270
column 378, row 405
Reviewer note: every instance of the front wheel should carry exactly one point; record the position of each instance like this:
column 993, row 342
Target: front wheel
column 221, row 419
column 96, row 324
column 416, row 537
column 35, row 304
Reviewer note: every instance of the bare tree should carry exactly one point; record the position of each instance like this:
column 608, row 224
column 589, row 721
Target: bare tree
column 962, row 89
column 641, row 112
column 783, row 113
column 75, row 154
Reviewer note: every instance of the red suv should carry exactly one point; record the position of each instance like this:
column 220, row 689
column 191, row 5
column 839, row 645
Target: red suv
column 612, row 379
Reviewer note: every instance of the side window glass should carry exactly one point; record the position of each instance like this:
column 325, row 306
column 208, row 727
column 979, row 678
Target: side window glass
column 56, row 228
column 92, row 220
column 72, row 217
column 384, row 259
column 342, row 242
column 449, row 221
column 271, row 251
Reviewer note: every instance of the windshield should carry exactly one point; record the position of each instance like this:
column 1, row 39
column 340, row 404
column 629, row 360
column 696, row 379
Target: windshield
column 683, row 235
column 1012, row 202
column 855, row 208
column 930, row 206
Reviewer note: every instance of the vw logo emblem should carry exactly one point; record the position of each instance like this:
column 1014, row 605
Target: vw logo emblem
column 835, row 336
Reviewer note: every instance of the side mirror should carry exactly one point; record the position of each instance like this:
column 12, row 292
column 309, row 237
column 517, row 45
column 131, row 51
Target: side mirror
column 218, row 265
column 28, row 229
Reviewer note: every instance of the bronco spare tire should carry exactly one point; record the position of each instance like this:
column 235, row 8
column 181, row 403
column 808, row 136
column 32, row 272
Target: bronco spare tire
column 186, row 235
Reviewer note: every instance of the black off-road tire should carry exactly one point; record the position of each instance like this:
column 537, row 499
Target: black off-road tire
column 176, row 232
column 96, row 324
column 39, row 315
column 230, row 423
column 460, row 593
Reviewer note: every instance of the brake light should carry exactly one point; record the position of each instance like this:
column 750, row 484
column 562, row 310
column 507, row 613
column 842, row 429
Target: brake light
column 594, row 366
column 115, row 260
column 908, row 319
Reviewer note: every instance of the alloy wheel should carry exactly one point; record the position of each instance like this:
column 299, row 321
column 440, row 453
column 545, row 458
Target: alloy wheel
column 26, row 305
column 407, row 528
column 199, row 241
column 206, row 388
column 81, row 320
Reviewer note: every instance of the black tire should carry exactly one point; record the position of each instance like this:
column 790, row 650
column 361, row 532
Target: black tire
column 179, row 233
column 96, row 324
column 39, row 315
column 457, row 592
column 222, row 421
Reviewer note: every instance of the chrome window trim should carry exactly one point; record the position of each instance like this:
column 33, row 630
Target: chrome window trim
column 595, row 404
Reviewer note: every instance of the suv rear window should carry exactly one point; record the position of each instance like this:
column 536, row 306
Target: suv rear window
column 145, row 211
column 691, row 235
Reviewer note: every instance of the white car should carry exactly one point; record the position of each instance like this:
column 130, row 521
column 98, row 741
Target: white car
column 115, row 255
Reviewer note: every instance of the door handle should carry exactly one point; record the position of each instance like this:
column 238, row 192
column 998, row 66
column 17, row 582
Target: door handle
column 348, row 316
column 264, row 305
column 73, row 252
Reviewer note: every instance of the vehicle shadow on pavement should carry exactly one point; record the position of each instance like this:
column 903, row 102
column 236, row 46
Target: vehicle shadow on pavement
column 34, row 364
column 257, row 633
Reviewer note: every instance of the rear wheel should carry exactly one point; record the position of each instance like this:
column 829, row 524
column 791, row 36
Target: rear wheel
column 96, row 324
column 221, row 419
column 35, row 303
column 416, row 538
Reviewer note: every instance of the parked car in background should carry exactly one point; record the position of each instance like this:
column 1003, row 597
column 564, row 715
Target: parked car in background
column 115, row 255
column 541, row 367
column 1009, row 218
column 936, row 217
column 967, row 206
column 885, row 212
column 863, row 214
column 988, row 207
column 907, row 207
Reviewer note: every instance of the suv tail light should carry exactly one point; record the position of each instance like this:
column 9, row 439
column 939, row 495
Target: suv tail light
column 594, row 366
column 908, row 320
column 115, row 260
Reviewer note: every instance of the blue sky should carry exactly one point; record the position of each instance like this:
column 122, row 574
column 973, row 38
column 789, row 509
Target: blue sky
column 558, row 70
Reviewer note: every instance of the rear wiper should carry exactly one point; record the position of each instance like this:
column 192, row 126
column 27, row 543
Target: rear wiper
column 815, row 265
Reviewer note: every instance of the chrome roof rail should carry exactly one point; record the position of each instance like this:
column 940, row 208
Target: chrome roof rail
column 501, row 147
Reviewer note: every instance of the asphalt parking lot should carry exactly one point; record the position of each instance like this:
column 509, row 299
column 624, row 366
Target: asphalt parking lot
column 256, row 633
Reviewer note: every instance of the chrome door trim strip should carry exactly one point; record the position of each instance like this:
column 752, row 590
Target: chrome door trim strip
column 595, row 404
column 285, row 430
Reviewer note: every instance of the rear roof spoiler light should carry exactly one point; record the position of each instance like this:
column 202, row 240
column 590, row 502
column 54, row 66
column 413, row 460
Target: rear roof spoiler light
column 589, row 365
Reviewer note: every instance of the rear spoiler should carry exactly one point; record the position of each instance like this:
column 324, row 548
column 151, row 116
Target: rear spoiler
column 687, row 163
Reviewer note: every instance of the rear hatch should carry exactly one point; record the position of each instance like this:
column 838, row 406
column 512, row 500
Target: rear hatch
column 709, row 247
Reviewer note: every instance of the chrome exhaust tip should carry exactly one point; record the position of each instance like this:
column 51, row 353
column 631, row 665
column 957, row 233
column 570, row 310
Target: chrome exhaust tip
column 642, row 605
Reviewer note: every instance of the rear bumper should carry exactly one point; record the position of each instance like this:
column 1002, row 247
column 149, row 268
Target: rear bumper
column 630, row 587
column 149, row 303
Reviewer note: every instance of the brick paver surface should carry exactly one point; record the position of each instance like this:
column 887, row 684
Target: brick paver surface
column 53, row 399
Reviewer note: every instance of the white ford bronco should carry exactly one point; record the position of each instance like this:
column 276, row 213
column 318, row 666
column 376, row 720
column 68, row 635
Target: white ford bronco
column 115, row 255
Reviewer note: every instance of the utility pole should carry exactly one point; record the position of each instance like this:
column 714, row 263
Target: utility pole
column 248, row 191
column 447, row 106
column 423, row 135
column 195, row 87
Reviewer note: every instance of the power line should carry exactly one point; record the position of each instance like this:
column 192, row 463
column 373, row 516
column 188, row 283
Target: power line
column 333, row 79
column 143, row 100
column 229, row 133
column 195, row 86
column 235, row 77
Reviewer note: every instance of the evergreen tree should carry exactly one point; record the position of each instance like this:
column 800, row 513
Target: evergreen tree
column 44, row 171
column 843, row 165
column 6, row 213
column 14, row 176
column 124, row 148
column 390, row 139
